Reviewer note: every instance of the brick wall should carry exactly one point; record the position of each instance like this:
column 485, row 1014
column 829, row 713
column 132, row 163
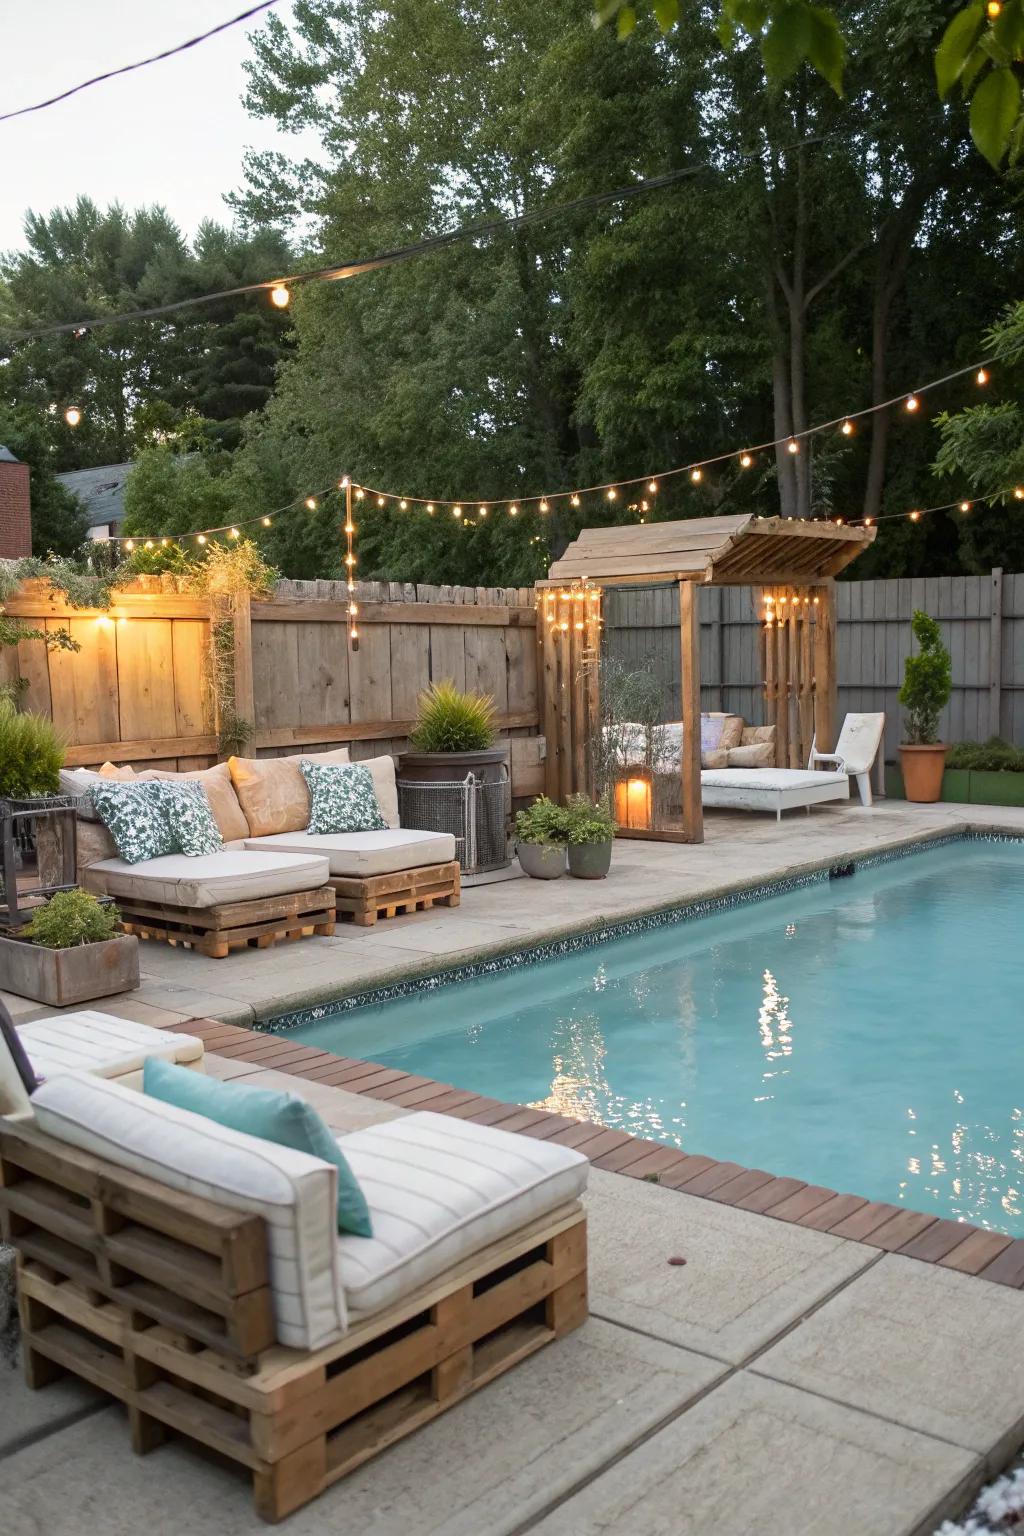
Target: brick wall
column 15, row 514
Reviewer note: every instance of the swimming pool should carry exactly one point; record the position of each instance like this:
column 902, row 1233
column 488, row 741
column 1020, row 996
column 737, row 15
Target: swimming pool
column 863, row 1033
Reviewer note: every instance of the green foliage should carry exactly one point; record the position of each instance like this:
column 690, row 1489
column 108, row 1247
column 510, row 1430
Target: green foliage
column 70, row 918
column 543, row 822
column 590, row 821
column 235, row 734
column 31, row 754
column 985, row 54
column 448, row 720
column 992, row 756
column 927, row 681
column 60, row 524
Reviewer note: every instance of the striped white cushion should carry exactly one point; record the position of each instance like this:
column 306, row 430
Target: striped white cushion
column 295, row 1194
column 103, row 1045
column 439, row 1190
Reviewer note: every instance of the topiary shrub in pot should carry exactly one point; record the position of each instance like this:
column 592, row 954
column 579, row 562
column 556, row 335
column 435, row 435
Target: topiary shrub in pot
column 591, row 834
column 542, row 832
column 71, row 950
column 927, row 685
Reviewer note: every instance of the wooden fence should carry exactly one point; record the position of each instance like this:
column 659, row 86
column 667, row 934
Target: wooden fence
column 137, row 691
column 982, row 619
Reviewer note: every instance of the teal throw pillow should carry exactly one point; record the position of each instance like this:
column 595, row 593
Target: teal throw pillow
column 135, row 816
column 282, row 1118
column 342, row 798
column 187, row 808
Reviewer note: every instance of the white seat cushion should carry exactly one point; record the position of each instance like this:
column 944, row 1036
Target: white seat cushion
column 439, row 1190
column 212, row 880
column 360, row 854
column 768, row 778
column 295, row 1194
column 102, row 1045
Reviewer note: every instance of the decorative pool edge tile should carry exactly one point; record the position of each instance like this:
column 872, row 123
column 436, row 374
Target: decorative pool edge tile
column 645, row 922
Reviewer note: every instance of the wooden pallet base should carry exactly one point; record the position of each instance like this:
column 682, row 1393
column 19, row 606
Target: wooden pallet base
column 214, row 931
column 409, row 890
column 299, row 1422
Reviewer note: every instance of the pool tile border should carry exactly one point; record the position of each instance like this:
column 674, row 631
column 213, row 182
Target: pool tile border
column 575, row 943
column 930, row 1239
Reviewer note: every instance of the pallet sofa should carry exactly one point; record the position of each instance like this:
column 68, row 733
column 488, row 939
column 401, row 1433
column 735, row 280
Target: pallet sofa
column 196, row 1274
column 272, row 879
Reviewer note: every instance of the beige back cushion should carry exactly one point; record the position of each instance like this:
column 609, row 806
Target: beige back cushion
column 117, row 771
column 382, row 772
column 757, row 754
column 755, row 733
column 224, row 803
column 717, row 759
column 93, row 843
column 732, row 732
column 272, row 791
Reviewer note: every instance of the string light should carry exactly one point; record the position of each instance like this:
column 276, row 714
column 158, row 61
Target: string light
column 233, row 533
column 360, row 493
column 981, row 377
column 652, row 486
column 430, row 508
column 911, row 404
column 456, row 511
column 311, row 503
column 149, row 543
column 1018, row 493
column 792, row 446
column 266, row 522
column 574, row 500
column 280, row 296
column 696, row 475
column 72, row 415
column 543, row 505
column 915, row 516
column 380, row 501
column 200, row 538
column 129, row 544
column 965, row 506
column 483, row 510
column 513, row 510
column 993, row 9
column 404, row 505
column 612, row 493
column 847, row 428
column 746, row 460
column 165, row 542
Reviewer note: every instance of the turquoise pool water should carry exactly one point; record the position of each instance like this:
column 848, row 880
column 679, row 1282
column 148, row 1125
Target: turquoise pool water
column 865, row 1033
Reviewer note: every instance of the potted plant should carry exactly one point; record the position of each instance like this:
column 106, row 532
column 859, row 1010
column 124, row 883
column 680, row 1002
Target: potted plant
column 591, row 833
column 927, row 685
column 70, row 951
column 542, row 832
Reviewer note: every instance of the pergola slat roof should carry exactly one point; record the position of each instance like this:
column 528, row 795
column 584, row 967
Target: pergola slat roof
column 732, row 550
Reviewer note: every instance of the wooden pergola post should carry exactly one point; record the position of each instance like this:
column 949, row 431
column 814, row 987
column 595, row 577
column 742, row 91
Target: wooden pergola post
column 826, row 697
column 689, row 681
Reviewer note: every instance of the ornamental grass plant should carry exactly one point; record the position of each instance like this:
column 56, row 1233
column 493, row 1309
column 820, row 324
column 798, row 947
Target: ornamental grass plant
column 449, row 720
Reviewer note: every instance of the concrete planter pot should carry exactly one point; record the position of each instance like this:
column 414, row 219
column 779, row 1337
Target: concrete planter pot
column 923, row 767
column 60, row 977
column 590, row 861
column 542, row 861
column 447, row 767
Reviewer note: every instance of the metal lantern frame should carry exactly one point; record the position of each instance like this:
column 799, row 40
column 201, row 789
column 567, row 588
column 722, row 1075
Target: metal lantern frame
column 19, row 833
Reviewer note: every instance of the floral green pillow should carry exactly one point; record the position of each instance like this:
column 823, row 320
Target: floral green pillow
column 342, row 797
column 190, row 817
column 136, row 818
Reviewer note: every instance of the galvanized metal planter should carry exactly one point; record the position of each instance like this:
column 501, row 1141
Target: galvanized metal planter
column 60, row 977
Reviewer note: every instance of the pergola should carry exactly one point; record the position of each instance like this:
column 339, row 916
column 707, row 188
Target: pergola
column 791, row 564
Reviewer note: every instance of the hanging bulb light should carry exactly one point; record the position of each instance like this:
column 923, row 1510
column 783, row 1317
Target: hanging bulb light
column 993, row 9
column 696, row 475
column 266, row 522
column 200, row 538
column 915, row 516
column 72, row 415
column 792, row 446
column 513, row 510
column 847, row 428
column 645, row 506
column 403, row 505
column 652, row 486
column 911, row 404
column 164, row 543
column 360, row 493
column 574, row 500
column 129, row 543
column 311, row 503
column 482, row 511
column 1018, row 493
column 149, row 544
column 746, row 460
column 868, row 521
column 456, row 511
column 430, row 508
column 233, row 533
column 612, row 493
column 343, row 483
column 350, row 527
column 965, row 506
column 981, row 377
column 543, row 505
column 280, row 296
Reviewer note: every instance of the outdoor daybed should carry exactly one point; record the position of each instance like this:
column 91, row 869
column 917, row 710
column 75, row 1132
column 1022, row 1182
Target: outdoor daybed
column 196, row 1273
column 271, row 878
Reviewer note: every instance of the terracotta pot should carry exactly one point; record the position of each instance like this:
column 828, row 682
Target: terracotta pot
column 590, row 861
column 922, row 771
column 542, row 861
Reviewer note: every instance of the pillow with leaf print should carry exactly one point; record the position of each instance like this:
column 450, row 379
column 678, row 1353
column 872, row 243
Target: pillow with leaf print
column 342, row 798
column 190, row 816
column 136, row 818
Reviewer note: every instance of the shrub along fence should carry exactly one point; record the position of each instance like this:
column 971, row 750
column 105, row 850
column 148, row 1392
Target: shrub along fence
column 138, row 689
column 982, row 621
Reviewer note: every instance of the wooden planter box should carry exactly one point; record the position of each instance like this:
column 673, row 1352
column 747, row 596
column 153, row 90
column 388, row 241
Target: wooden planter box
column 966, row 786
column 60, row 977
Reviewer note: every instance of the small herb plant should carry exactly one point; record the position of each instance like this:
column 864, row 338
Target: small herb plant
column 543, row 822
column 927, row 682
column 70, row 918
column 589, row 821
column 31, row 754
column 452, row 721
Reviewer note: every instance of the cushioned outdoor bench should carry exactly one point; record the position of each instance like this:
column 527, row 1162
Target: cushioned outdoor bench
column 197, row 1275
column 771, row 789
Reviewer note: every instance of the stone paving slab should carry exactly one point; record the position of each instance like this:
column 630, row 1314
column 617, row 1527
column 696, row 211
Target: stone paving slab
column 746, row 1278
column 758, row 1459
column 922, row 1346
column 479, row 1470
column 26, row 1416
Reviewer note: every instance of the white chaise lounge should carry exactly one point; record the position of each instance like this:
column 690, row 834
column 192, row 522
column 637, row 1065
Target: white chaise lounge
column 770, row 789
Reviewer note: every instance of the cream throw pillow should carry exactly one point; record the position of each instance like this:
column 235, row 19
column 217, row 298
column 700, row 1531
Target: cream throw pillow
column 759, row 754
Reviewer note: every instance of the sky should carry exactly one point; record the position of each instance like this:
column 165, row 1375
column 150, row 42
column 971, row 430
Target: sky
column 173, row 133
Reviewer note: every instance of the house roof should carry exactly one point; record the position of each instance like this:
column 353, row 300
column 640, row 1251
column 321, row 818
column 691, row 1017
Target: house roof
column 733, row 550
column 100, row 490
column 7, row 457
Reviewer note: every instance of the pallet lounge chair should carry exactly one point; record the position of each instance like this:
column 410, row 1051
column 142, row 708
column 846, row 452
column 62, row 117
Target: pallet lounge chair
column 856, row 751
column 196, row 1274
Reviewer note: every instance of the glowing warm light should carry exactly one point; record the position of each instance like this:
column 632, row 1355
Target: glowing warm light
column 350, row 560
column 360, row 494
column 652, row 486
column 350, row 527
column 543, row 506
column 564, row 625
column 456, row 511
column 868, row 522
column 696, row 475
column 129, row 543
column 965, row 506
column 233, row 533
column 612, row 493
column 149, row 543
column 72, row 415
column 200, row 538
column 847, row 428
column 165, row 542
column 430, row 508
column 353, row 633
column 911, row 404
column 266, row 522
column 915, row 516
column 633, row 804
column 343, row 483
column 280, row 296
column 483, row 510
column 578, row 624
column 105, row 621
column 380, row 501
column 311, row 503
column 353, row 610
column 792, row 446
column 403, row 505
column 839, row 522
column 981, row 377
column 817, row 600
column 645, row 506
column 574, row 500
column 993, row 9
column 513, row 510
column 1019, row 492
column 746, row 460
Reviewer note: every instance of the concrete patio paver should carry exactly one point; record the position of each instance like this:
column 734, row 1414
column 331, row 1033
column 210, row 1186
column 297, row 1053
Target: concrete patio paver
column 921, row 1346
column 26, row 1416
column 484, row 1467
column 757, row 1457
column 745, row 1279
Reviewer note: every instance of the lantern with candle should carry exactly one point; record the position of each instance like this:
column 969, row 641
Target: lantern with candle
column 633, row 798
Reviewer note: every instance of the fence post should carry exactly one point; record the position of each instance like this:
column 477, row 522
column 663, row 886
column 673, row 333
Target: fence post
column 245, row 703
column 995, row 654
